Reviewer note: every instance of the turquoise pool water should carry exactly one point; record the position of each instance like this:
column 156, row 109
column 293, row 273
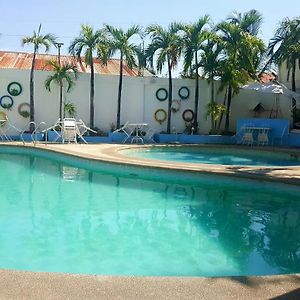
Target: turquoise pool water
column 64, row 218
column 223, row 156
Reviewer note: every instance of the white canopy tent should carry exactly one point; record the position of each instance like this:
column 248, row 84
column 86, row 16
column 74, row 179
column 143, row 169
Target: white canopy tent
column 275, row 88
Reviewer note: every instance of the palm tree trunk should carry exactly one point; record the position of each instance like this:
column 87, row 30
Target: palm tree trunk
column 31, row 91
column 212, row 101
column 169, row 97
column 229, row 97
column 222, row 114
column 294, row 76
column 120, row 92
column 294, row 103
column 61, row 114
column 196, row 96
column 92, row 95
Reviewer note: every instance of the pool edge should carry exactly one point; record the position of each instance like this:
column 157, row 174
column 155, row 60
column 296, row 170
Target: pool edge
column 110, row 153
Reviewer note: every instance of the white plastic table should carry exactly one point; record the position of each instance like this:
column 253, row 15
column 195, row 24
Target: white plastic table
column 136, row 129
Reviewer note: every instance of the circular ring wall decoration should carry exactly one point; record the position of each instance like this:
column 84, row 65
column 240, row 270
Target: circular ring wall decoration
column 14, row 88
column 160, row 115
column 24, row 112
column 6, row 102
column 184, row 93
column 188, row 115
column 161, row 94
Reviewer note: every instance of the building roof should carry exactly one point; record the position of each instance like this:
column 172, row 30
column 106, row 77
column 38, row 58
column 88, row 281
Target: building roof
column 267, row 77
column 22, row 61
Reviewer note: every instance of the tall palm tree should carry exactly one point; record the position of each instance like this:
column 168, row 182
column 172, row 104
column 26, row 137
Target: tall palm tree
column 88, row 42
column 285, row 47
column 166, row 48
column 243, row 52
column 38, row 40
column 193, row 37
column 210, row 63
column 120, row 41
column 62, row 73
column 250, row 21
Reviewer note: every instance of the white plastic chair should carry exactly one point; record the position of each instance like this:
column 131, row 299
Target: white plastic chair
column 7, row 128
column 82, row 129
column 148, row 137
column 127, row 130
column 247, row 137
column 69, row 130
column 263, row 137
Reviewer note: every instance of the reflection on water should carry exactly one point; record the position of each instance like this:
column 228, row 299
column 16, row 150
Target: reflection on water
column 61, row 218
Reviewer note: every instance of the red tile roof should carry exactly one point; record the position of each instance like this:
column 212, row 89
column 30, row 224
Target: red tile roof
column 22, row 61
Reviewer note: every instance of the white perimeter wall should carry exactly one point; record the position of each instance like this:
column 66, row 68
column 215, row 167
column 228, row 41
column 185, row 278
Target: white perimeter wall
column 282, row 76
column 138, row 100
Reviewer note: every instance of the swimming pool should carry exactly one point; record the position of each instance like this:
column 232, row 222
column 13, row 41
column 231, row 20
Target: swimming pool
column 59, row 214
column 209, row 155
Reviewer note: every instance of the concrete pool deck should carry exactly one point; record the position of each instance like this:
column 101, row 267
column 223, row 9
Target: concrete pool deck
column 35, row 285
column 113, row 153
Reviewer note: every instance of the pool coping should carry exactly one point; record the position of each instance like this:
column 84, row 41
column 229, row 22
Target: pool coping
column 36, row 285
column 112, row 153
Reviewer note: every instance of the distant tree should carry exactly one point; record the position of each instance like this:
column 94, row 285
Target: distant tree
column 165, row 48
column 284, row 47
column 120, row 41
column 88, row 42
column 62, row 73
column 37, row 40
column 250, row 21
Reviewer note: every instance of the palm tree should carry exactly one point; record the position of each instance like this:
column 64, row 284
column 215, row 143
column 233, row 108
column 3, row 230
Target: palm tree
column 37, row 40
column 285, row 47
column 88, row 42
column 250, row 21
column 243, row 52
column 193, row 37
column 210, row 63
column 165, row 47
column 119, row 41
column 62, row 73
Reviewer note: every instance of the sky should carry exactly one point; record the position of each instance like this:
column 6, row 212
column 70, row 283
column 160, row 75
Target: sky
column 63, row 18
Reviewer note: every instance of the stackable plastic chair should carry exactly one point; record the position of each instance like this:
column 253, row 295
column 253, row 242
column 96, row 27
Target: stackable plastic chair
column 82, row 129
column 69, row 130
column 148, row 137
column 263, row 137
column 127, row 130
column 247, row 137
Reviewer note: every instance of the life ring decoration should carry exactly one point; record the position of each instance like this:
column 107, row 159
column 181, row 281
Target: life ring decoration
column 160, row 115
column 24, row 109
column 14, row 88
column 175, row 106
column 6, row 102
column 3, row 118
column 184, row 93
column 161, row 94
column 188, row 115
